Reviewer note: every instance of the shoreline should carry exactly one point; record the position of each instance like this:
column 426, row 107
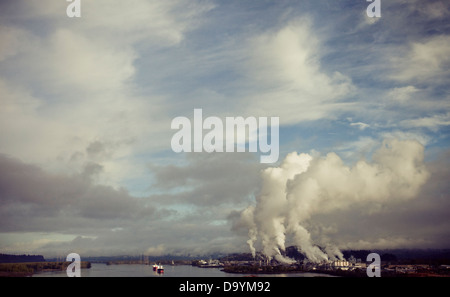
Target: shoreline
column 333, row 273
column 28, row 269
column 268, row 270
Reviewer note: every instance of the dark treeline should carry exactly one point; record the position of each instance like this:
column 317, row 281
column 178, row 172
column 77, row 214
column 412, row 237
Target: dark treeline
column 5, row 258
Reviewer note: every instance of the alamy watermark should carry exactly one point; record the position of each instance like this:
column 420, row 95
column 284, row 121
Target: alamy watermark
column 74, row 268
column 374, row 269
column 74, row 8
column 374, row 9
column 190, row 138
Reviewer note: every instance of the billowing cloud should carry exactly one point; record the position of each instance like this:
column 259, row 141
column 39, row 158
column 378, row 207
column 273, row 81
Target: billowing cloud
column 304, row 186
column 72, row 83
column 287, row 62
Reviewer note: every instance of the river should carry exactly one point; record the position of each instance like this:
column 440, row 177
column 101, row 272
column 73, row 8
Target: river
column 139, row 270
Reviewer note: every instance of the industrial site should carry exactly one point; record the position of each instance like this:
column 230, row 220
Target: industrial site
column 354, row 264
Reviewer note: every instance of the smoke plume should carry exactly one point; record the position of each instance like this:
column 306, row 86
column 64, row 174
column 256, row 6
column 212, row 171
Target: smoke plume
column 304, row 185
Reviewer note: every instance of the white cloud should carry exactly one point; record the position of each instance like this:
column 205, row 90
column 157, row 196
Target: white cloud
column 73, row 83
column 436, row 10
column 12, row 41
column 360, row 125
column 431, row 10
column 158, row 250
column 425, row 61
column 67, row 62
column 433, row 123
column 286, row 62
column 165, row 22
column 422, row 138
column 402, row 94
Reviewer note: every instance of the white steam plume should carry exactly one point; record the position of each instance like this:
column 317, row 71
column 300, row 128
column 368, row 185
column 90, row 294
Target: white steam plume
column 303, row 186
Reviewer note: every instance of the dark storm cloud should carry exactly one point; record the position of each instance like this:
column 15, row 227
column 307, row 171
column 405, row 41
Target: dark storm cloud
column 105, row 220
column 32, row 199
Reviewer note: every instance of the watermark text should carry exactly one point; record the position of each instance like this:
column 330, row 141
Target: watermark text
column 74, row 268
column 74, row 9
column 374, row 269
column 238, row 133
column 374, row 9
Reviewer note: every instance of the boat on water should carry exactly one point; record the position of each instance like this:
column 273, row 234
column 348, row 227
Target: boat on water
column 158, row 268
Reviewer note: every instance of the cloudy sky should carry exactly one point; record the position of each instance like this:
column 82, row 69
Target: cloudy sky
column 86, row 106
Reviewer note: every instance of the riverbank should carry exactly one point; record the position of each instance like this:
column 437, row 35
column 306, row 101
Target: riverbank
column 28, row 269
column 275, row 269
column 281, row 269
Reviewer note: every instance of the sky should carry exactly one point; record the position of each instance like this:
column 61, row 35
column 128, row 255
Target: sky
column 86, row 105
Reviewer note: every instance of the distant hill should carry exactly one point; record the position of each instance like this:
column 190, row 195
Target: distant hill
column 5, row 258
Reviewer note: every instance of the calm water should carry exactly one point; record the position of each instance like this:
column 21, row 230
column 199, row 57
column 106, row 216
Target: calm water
column 137, row 270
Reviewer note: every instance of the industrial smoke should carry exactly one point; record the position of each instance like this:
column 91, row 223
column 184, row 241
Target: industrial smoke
column 304, row 185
